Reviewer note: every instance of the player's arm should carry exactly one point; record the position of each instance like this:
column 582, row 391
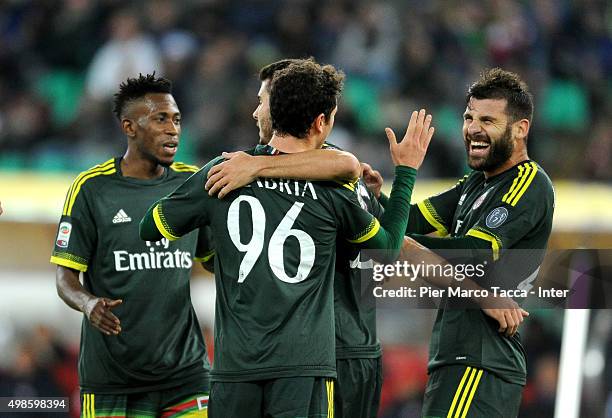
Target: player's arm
column 205, row 249
column 434, row 214
column 240, row 169
column 407, row 156
column 97, row 310
column 74, row 245
column 180, row 212
column 504, row 310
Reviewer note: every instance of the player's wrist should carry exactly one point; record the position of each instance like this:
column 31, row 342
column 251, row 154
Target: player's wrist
column 402, row 169
column 87, row 306
column 259, row 165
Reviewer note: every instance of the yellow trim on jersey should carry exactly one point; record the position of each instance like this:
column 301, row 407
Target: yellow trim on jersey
column 329, row 384
column 526, row 185
column 93, row 405
column 514, row 183
column 159, row 223
column 472, row 392
column 68, row 263
column 495, row 242
column 527, row 171
column 432, row 217
column 182, row 167
column 205, row 257
column 82, row 181
column 461, row 180
column 100, row 167
column 372, row 230
column 349, row 185
column 458, row 392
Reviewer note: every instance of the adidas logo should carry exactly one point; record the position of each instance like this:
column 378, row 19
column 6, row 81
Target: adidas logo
column 121, row 217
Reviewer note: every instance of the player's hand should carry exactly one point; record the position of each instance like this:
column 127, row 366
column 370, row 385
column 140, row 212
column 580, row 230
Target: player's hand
column 411, row 151
column 372, row 179
column 98, row 312
column 507, row 313
column 238, row 169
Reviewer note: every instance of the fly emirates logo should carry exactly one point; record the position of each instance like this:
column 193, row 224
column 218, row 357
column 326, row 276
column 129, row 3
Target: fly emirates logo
column 158, row 257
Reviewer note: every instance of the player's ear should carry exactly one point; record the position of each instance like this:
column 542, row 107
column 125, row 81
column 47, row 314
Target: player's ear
column 128, row 127
column 319, row 123
column 520, row 129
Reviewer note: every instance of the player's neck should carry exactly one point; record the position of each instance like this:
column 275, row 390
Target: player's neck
column 136, row 166
column 514, row 159
column 289, row 144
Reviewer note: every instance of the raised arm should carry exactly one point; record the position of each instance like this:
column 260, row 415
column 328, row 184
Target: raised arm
column 240, row 169
column 407, row 156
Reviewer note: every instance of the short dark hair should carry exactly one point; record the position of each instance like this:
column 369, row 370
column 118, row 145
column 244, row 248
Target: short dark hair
column 136, row 88
column 267, row 72
column 301, row 92
column 496, row 83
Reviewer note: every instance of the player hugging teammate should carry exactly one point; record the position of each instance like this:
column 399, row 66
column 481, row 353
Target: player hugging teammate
column 292, row 338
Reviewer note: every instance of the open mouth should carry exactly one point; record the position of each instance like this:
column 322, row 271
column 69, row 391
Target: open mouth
column 479, row 148
column 171, row 147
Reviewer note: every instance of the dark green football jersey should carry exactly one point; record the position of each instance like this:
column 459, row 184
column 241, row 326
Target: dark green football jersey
column 161, row 345
column 510, row 211
column 274, row 267
column 355, row 320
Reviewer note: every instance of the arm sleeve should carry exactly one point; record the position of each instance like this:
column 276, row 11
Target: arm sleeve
column 364, row 230
column 179, row 213
column 76, row 233
column 435, row 214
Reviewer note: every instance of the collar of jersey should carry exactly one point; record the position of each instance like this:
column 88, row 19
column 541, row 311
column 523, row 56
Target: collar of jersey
column 266, row 150
column 503, row 173
column 144, row 182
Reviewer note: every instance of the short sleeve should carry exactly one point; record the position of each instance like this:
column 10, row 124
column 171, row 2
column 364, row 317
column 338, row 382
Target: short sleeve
column 439, row 210
column 76, row 232
column 186, row 208
column 355, row 224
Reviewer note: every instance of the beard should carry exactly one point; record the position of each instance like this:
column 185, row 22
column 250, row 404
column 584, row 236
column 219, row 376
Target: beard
column 500, row 151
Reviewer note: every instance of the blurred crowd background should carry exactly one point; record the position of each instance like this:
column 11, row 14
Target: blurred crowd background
column 62, row 60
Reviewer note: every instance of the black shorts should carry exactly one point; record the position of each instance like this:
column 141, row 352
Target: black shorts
column 469, row 392
column 289, row 397
column 359, row 386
